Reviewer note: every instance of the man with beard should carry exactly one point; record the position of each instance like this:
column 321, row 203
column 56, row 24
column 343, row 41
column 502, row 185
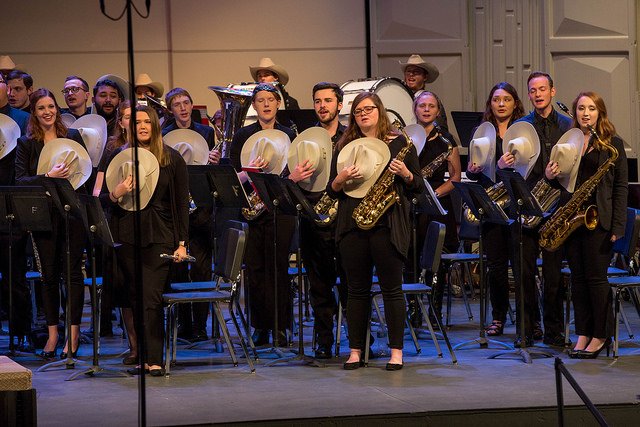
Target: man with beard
column 76, row 95
column 318, row 243
column 106, row 97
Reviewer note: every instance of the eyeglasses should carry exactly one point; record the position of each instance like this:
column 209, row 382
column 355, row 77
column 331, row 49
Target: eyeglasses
column 366, row 110
column 71, row 89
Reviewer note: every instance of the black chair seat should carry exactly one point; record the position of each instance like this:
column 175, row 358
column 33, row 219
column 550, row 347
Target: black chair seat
column 173, row 298
column 197, row 286
column 415, row 288
column 624, row 281
column 611, row 271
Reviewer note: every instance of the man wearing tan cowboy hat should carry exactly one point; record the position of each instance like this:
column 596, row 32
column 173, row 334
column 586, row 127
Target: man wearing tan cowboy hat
column 76, row 95
column 416, row 73
column 265, row 100
column 21, row 86
column 550, row 126
column 268, row 72
column 145, row 86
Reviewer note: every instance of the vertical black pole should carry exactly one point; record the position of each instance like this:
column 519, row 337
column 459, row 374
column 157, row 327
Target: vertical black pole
column 367, row 20
column 559, row 395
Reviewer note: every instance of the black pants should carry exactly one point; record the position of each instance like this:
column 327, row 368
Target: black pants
column 360, row 251
column 259, row 259
column 318, row 254
column 589, row 254
column 53, row 257
column 553, row 292
column 498, row 249
column 155, row 275
column 21, row 293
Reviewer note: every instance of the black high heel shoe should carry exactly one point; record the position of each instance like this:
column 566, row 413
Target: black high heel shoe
column 74, row 355
column 584, row 354
column 394, row 366
column 350, row 366
column 47, row 355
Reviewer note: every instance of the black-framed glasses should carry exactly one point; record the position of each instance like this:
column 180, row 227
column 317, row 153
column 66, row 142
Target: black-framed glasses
column 71, row 89
column 366, row 110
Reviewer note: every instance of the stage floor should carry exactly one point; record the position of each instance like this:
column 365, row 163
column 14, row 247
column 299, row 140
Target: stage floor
column 204, row 387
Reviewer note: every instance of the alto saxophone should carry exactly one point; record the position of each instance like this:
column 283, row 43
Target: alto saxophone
column 256, row 209
column 572, row 215
column 381, row 196
column 429, row 170
column 328, row 207
column 547, row 197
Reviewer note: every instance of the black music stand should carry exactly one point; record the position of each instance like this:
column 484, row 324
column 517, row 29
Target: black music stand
column 270, row 191
column 296, row 197
column 23, row 209
column 66, row 201
column 523, row 203
column 486, row 210
column 99, row 232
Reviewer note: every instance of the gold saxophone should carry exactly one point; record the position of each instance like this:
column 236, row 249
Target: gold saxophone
column 547, row 197
column 326, row 206
column 572, row 215
column 256, row 209
column 429, row 170
column 497, row 193
column 381, row 196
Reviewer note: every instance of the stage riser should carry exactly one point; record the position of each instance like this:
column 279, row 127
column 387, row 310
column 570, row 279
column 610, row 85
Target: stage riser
column 18, row 408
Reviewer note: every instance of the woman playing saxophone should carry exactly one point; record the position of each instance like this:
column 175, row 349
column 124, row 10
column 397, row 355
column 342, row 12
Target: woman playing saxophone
column 589, row 251
column 361, row 156
column 503, row 107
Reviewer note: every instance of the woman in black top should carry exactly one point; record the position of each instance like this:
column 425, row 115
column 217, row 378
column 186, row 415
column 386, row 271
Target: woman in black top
column 427, row 107
column 164, row 229
column 589, row 251
column 384, row 246
column 45, row 124
column 502, row 108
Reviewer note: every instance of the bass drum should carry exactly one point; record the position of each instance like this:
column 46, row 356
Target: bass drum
column 252, row 116
column 395, row 96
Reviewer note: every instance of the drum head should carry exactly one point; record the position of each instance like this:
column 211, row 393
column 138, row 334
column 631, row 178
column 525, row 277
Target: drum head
column 395, row 97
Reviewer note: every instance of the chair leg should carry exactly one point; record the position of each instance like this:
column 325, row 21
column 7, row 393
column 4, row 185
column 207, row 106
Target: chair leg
column 174, row 314
column 567, row 316
column 243, row 343
column 412, row 331
column 167, row 339
column 338, row 323
column 454, row 360
column 225, row 333
column 626, row 321
column 616, row 322
column 468, row 280
column 434, row 336
column 247, row 330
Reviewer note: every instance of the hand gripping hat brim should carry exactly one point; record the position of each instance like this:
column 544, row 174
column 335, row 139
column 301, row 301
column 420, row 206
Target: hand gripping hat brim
column 69, row 152
column 314, row 145
column 567, row 153
column 122, row 165
column 521, row 140
column 371, row 156
column 270, row 144
column 482, row 149
column 93, row 129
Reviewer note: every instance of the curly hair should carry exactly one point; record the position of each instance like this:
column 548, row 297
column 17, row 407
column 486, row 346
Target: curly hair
column 383, row 128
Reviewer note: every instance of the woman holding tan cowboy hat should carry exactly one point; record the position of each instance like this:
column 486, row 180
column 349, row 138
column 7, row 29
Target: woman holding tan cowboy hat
column 164, row 211
column 363, row 153
column 502, row 108
column 51, row 150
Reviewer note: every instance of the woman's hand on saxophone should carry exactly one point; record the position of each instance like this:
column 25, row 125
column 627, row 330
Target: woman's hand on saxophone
column 506, row 161
column 397, row 167
column 552, row 170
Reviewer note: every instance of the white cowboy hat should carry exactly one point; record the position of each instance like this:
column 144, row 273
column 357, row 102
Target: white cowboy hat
column 267, row 64
column 432, row 70
column 371, row 156
column 69, row 152
column 122, row 84
column 68, row 119
column 190, row 144
column 6, row 63
column 270, row 144
column 568, row 153
column 93, row 129
column 482, row 149
column 521, row 140
column 144, row 80
column 314, row 144
column 418, row 136
column 122, row 166
column 9, row 134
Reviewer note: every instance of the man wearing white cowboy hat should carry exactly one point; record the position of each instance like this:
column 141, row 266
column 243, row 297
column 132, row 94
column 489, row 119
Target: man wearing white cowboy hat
column 146, row 86
column 268, row 72
column 549, row 126
column 108, row 93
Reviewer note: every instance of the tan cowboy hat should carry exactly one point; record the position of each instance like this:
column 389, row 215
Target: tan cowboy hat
column 93, row 129
column 69, row 152
column 270, row 144
column 144, row 80
column 371, row 156
column 9, row 134
column 267, row 64
column 122, row 166
column 190, row 144
column 314, row 144
column 122, row 84
column 521, row 140
column 567, row 153
column 432, row 70
column 6, row 63
column 482, row 149
column 418, row 136
column 68, row 119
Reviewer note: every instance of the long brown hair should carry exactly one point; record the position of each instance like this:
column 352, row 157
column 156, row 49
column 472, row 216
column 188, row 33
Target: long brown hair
column 518, row 109
column 383, row 128
column 119, row 138
column 604, row 127
column 34, row 130
column 156, row 146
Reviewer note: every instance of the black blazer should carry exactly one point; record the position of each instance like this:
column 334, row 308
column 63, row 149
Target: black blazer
column 612, row 190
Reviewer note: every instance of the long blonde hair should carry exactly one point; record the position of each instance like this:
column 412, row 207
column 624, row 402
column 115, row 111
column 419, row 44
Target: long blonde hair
column 156, row 146
column 604, row 127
